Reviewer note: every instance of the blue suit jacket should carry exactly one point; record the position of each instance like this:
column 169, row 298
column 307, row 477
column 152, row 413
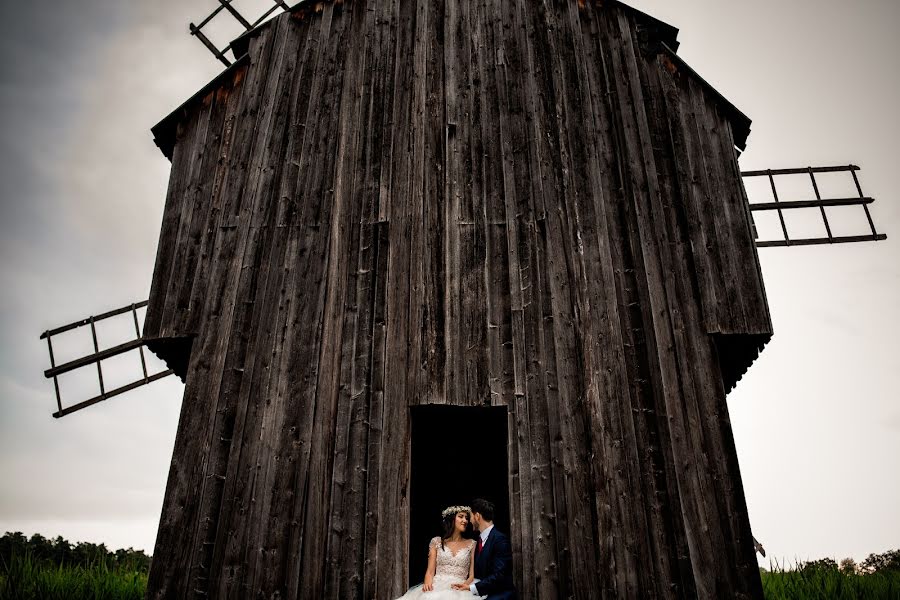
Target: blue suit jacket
column 493, row 566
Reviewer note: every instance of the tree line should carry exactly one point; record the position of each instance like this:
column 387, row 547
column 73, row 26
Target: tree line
column 875, row 563
column 59, row 552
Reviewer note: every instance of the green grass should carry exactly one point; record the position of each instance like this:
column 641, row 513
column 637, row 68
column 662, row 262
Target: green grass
column 22, row 578
column 25, row 579
column 830, row 584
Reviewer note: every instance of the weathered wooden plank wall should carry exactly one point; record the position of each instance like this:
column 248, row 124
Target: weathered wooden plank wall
column 526, row 204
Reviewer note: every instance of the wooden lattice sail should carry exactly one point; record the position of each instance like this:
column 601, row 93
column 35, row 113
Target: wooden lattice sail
column 381, row 205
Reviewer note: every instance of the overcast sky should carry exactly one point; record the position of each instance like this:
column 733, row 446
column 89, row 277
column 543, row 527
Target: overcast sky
column 816, row 419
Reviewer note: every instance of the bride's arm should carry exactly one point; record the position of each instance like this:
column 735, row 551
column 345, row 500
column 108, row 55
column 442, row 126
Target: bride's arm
column 429, row 572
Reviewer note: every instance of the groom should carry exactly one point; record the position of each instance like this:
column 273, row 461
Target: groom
column 493, row 557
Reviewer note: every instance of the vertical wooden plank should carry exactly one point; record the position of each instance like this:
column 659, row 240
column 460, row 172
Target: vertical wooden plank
column 630, row 442
column 237, row 316
column 393, row 479
column 275, row 506
column 319, row 489
column 520, row 216
column 247, row 463
column 579, row 304
column 214, row 347
column 506, row 304
column 749, row 276
column 230, row 95
column 192, row 204
column 177, row 531
column 414, row 195
column 183, row 156
column 608, row 332
column 387, row 16
column 555, row 191
column 696, row 350
column 376, row 422
column 210, row 348
column 430, row 385
column 243, row 285
column 692, row 343
column 717, row 318
column 721, row 217
column 692, row 178
column 456, row 84
column 270, row 509
column 698, row 354
column 604, row 348
column 408, row 186
column 654, row 240
column 715, row 493
column 201, row 197
column 497, row 155
column 726, row 481
column 301, row 438
column 473, row 318
column 347, row 525
column 535, row 251
column 687, row 321
column 669, row 537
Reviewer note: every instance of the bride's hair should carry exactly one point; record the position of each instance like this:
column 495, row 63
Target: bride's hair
column 448, row 525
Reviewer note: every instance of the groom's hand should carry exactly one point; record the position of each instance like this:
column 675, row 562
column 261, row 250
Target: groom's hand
column 460, row 586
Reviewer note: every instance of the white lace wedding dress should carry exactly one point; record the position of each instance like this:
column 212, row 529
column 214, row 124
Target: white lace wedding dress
column 451, row 568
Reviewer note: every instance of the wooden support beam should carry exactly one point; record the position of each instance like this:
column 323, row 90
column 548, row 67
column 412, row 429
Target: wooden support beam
column 93, row 358
column 822, row 241
column 105, row 396
column 783, row 205
column 212, row 47
column 799, row 171
column 95, row 318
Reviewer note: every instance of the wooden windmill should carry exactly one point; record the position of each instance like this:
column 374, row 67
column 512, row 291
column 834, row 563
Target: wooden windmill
column 525, row 221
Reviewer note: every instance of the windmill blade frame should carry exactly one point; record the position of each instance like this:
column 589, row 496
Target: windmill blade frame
column 220, row 53
column 779, row 205
column 97, row 356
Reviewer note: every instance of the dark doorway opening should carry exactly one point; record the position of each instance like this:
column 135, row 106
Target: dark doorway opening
column 458, row 454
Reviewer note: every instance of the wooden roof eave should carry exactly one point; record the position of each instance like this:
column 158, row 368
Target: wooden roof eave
column 663, row 32
column 666, row 38
column 165, row 132
column 740, row 123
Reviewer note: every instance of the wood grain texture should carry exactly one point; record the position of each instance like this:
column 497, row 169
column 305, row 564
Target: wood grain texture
column 524, row 204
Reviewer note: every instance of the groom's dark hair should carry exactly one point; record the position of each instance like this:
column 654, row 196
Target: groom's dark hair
column 484, row 507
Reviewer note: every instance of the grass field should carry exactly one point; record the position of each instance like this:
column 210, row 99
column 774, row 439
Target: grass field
column 813, row 584
column 23, row 579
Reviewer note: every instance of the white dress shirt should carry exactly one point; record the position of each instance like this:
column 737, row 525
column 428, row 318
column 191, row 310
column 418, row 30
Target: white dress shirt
column 484, row 536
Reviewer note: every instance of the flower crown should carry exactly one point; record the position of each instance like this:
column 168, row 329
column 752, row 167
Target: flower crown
column 452, row 510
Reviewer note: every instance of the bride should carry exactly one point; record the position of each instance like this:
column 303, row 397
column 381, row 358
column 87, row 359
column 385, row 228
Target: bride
column 451, row 561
